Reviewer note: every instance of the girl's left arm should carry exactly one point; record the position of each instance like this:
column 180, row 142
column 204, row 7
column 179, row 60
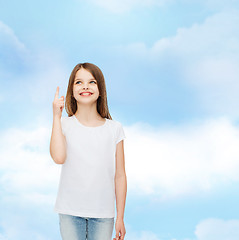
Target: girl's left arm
column 120, row 190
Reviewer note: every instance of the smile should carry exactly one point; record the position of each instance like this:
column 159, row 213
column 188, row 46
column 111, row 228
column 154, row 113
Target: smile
column 86, row 94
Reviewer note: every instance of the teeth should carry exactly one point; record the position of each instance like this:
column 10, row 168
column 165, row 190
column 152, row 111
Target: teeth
column 86, row 94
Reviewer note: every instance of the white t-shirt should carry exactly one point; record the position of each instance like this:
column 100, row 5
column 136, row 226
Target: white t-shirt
column 87, row 187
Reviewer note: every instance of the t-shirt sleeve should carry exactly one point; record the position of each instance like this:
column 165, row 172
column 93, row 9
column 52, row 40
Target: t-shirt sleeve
column 63, row 125
column 120, row 135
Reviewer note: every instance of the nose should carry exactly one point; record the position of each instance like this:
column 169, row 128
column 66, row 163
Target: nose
column 85, row 86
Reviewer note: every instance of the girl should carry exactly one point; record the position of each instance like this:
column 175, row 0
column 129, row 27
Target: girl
column 89, row 144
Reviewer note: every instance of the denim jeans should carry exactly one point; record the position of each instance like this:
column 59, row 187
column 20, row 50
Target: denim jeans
column 82, row 228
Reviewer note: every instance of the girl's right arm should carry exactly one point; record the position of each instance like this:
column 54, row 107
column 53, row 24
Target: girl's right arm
column 58, row 140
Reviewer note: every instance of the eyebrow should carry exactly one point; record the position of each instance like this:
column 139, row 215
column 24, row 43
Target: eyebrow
column 82, row 79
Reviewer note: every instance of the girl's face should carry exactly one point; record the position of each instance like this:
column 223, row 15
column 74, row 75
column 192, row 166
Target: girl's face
column 85, row 82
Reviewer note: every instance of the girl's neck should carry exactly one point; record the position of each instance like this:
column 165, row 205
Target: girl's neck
column 87, row 113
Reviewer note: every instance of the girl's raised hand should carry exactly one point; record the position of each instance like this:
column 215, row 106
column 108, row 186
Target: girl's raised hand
column 58, row 104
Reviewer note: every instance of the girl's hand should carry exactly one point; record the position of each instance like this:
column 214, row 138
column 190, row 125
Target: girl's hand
column 58, row 104
column 119, row 228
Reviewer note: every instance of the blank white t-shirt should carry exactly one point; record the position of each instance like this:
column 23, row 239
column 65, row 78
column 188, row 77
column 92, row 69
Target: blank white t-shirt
column 87, row 187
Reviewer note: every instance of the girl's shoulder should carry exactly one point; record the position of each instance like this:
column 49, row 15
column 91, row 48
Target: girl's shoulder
column 114, row 122
column 66, row 119
column 118, row 130
column 116, row 125
column 65, row 123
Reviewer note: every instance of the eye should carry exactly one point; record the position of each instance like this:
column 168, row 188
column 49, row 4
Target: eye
column 90, row 82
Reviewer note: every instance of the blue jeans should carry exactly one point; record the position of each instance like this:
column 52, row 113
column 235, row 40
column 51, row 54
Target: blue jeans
column 82, row 228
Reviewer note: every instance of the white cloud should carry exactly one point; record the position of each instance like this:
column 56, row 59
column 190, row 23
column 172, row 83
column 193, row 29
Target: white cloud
column 13, row 51
column 7, row 36
column 142, row 235
column 212, row 44
column 208, row 57
column 28, row 174
column 122, row 6
column 48, row 72
column 204, row 56
column 29, row 180
column 24, row 227
column 217, row 229
column 174, row 161
column 166, row 162
column 34, row 72
column 139, row 235
column 219, row 4
column 207, row 229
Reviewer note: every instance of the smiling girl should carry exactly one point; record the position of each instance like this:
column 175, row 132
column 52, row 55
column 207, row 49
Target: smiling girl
column 89, row 145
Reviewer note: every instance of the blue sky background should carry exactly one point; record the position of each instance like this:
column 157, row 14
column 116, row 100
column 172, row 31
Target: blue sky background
column 172, row 78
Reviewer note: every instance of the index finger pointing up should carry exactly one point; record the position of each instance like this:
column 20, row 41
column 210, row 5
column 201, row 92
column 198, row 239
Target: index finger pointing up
column 57, row 93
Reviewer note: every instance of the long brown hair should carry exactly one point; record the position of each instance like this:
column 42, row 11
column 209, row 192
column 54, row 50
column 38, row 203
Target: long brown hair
column 102, row 105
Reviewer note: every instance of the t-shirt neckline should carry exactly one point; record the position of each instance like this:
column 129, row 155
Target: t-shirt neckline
column 88, row 126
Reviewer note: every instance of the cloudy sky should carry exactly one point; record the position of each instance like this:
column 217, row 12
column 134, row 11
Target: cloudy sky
column 172, row 77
